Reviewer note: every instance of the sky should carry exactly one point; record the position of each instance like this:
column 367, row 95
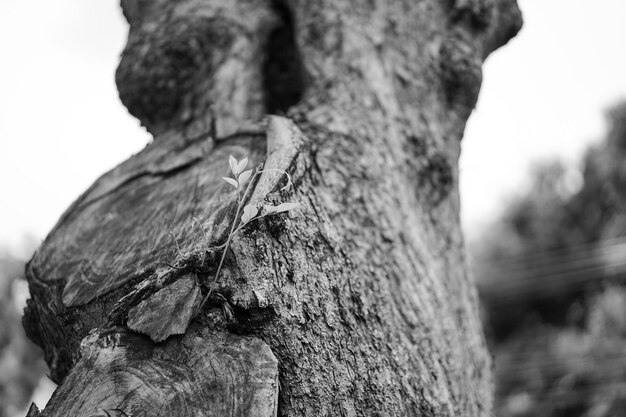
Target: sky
column 62, row 124
column 543, row 96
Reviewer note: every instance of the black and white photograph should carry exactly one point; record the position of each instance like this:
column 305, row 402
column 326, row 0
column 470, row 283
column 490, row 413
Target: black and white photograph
column 312, row 208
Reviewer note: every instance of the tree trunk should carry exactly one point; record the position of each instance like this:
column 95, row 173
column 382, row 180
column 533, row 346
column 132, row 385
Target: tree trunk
column 358, row 301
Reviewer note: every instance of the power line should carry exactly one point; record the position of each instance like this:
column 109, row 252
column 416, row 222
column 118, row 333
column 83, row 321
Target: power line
column 591, row 262
column 548, row 257
column 546, row 283
column 574, row 249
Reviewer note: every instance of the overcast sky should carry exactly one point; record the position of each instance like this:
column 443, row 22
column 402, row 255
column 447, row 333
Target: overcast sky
column 62, row 124
column 543, row 96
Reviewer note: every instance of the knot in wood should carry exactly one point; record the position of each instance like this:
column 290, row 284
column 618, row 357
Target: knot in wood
column 476, row 14
column 461, row 72
column 159, row 70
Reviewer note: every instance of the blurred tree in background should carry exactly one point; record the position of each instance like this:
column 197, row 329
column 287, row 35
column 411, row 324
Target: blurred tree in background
column 21, row 363
column 551, row 274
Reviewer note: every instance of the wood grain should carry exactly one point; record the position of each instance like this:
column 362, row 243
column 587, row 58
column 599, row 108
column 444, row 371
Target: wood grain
column 204, row 373
column 139, row 217
column 169, row 311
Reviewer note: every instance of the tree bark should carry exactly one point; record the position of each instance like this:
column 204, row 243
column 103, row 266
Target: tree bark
column 358, row 302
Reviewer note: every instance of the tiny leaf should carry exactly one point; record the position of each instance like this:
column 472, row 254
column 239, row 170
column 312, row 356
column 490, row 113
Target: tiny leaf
column 233, row 164
column 249, row 212
column 285, row 207
column 240, row 166
column 231, row 181
column 269, row 209
column 244, row 176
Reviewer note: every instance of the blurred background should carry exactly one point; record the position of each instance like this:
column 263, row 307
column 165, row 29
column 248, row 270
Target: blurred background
column 543, row 187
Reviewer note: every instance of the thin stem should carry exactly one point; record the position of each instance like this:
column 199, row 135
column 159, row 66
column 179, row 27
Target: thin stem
column 241, row 226
column 180, row 253
column 197, row 221
column 240, row 201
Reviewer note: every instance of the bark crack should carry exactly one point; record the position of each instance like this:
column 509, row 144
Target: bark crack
column 149, row 172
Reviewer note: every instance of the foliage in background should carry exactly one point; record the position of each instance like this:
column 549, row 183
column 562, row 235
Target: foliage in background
column 551, row 274
column 21, row 363
column 554, row 215
column 567, row 371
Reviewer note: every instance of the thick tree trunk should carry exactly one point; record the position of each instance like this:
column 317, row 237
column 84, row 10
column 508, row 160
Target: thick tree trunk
column 358, row 302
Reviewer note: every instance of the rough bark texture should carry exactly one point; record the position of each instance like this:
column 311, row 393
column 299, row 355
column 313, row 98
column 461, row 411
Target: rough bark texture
column 362, row 293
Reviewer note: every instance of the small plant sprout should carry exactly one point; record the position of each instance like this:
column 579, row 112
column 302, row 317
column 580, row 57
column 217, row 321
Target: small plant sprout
column 249, row 212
